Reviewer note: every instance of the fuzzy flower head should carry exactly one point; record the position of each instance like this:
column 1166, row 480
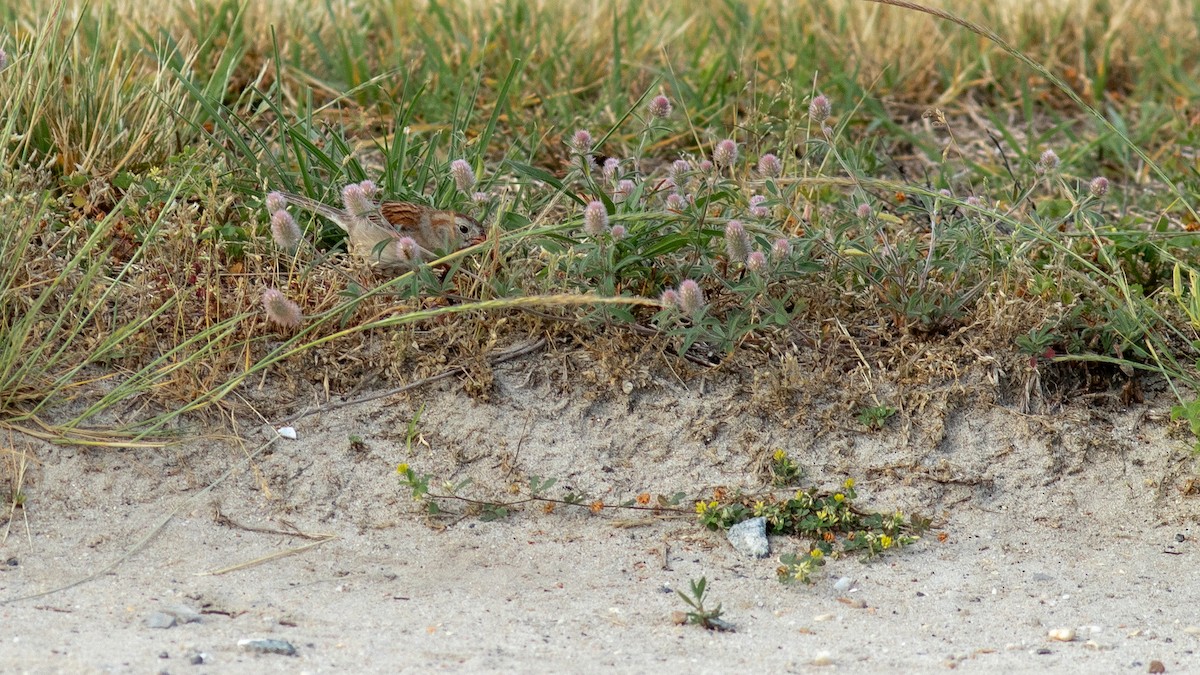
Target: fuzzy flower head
column 691, row 298
column 1098, row 187
column 464, row 177
column 3, row 59
column 863, row 211
column 706, row 166
column 670, row 298
column 276, row 202
column 770, row 166
column 595, row 219
column 725, row 154
column 677, row 170
column 782, row 248
column 406, row 249
column 609, row 170
column 974, row 202
column 625, row 188
column 617, row 232
column 660, row 106
column 481, row 197
column 756, row 206
column 284, row 230
column 676, row 202
column 819, row 109
column 369, row 188
column 355, row 199
column 756, row 262
column 1048, row 162
column 280, row 310
column 582, row 141
column 737, row 241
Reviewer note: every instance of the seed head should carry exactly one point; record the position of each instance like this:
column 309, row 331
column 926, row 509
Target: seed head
column 406, row 249
column 678, row 168
column 481, row 197
column 284, row 230
column 737, row 241
column 369, row 188
column 464, row 177
column 819, row 109
column 770, row 166
column 610, row 168
column 1098, row 187
column 756, row 206
column 275, row 202
column 625, row 188
column 756, row 262
column 670, row 298
column 974, row 202
column 582, row 141
column 691, row 298
column 1048, row 162
column 863, row 211
column 617, row 232
column 355, row 199
column 280, row 310
column 705, row 166
column 782, row 248
column 660, row 106
column 676, row 202
column 725, row 154
column 595, row 219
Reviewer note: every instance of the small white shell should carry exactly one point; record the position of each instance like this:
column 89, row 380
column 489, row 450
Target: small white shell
column 1062, row 634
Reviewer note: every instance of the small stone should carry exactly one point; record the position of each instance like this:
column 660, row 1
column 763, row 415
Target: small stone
column 1180, row 538
column 1062, row 634
column 822, row 659
column 198, row 659
column 844, row 584
column 749, row 538
column 281, row 647
column 288, row 433
column 627, row 387
column 159, row 620
column 1192, row 630
column 183, row 613
column 1157, row 666
column 679, row 618
column 823, row 617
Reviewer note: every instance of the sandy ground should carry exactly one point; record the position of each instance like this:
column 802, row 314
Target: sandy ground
column 1078, row 520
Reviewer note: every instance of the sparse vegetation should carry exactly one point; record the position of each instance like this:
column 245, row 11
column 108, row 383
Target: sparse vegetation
column 891, row 198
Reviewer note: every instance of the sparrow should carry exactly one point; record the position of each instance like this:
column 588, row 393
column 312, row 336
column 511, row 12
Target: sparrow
column 379, row 234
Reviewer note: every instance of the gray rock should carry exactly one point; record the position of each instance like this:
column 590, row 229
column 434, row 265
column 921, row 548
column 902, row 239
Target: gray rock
column 749, row 538
column 282, row 647
column 844, row 584
column 183, row 613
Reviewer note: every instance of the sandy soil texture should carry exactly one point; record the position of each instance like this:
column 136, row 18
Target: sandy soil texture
column 1083, row 521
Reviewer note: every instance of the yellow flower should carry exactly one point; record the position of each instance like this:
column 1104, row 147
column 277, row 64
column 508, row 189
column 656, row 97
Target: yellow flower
column 817, row 553
column 758, row 507
column 780, row 455
column 839, row 497
column 849, row 484
column 885, row 541
column 402, row 469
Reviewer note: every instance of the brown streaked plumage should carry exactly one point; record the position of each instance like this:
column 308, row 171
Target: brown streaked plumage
column 371, row 236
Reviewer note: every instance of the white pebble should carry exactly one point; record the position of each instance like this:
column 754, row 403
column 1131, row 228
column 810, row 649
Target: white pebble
column 288, row 433
column 822, row 659
column 1062, row 634
column 1192, row 630
column 842, row 585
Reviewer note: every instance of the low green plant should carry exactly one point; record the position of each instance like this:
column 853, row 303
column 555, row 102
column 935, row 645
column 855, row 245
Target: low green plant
column 875, row 417
column 705, row 617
